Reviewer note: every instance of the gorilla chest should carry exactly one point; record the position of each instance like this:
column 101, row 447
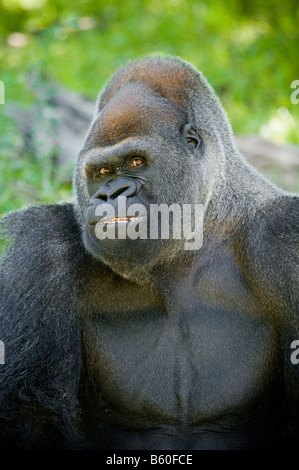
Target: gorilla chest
column 181, row 368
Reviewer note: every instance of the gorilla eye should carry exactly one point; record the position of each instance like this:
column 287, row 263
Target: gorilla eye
column 137, row 162
column 103, row 171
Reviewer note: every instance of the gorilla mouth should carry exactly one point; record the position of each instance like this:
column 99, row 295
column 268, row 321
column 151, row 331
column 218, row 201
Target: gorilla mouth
column 118, row 220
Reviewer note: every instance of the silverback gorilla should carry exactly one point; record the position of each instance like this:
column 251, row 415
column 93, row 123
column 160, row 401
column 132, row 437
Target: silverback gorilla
column 140, row 343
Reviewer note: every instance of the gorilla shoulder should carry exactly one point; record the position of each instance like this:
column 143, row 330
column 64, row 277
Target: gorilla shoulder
column 42, row 242
column 45, row 230
column 271, row 253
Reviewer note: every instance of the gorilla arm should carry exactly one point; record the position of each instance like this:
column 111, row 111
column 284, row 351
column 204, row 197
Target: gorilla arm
column 272, row 264
column 39, row 379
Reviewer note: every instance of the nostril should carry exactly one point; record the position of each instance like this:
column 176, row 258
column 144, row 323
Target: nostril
column 102, row 197
column 119, row 192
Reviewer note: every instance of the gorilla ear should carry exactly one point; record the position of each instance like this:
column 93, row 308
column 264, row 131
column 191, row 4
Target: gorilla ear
column 192, row 136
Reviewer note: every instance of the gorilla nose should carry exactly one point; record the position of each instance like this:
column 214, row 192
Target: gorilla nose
column 111, row 191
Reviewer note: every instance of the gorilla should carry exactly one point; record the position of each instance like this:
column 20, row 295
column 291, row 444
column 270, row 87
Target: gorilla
column 139, row 342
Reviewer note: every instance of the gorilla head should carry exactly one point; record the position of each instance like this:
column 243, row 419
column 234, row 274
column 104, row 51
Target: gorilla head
column 156, row 138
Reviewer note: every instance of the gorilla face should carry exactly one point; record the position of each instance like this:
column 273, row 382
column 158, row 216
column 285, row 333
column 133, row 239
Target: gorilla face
column 139, row 152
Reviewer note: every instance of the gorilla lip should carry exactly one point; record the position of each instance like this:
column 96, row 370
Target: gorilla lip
column 118, row 220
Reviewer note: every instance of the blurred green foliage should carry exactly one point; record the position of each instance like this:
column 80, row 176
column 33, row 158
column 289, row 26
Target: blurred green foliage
column 247, row 50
